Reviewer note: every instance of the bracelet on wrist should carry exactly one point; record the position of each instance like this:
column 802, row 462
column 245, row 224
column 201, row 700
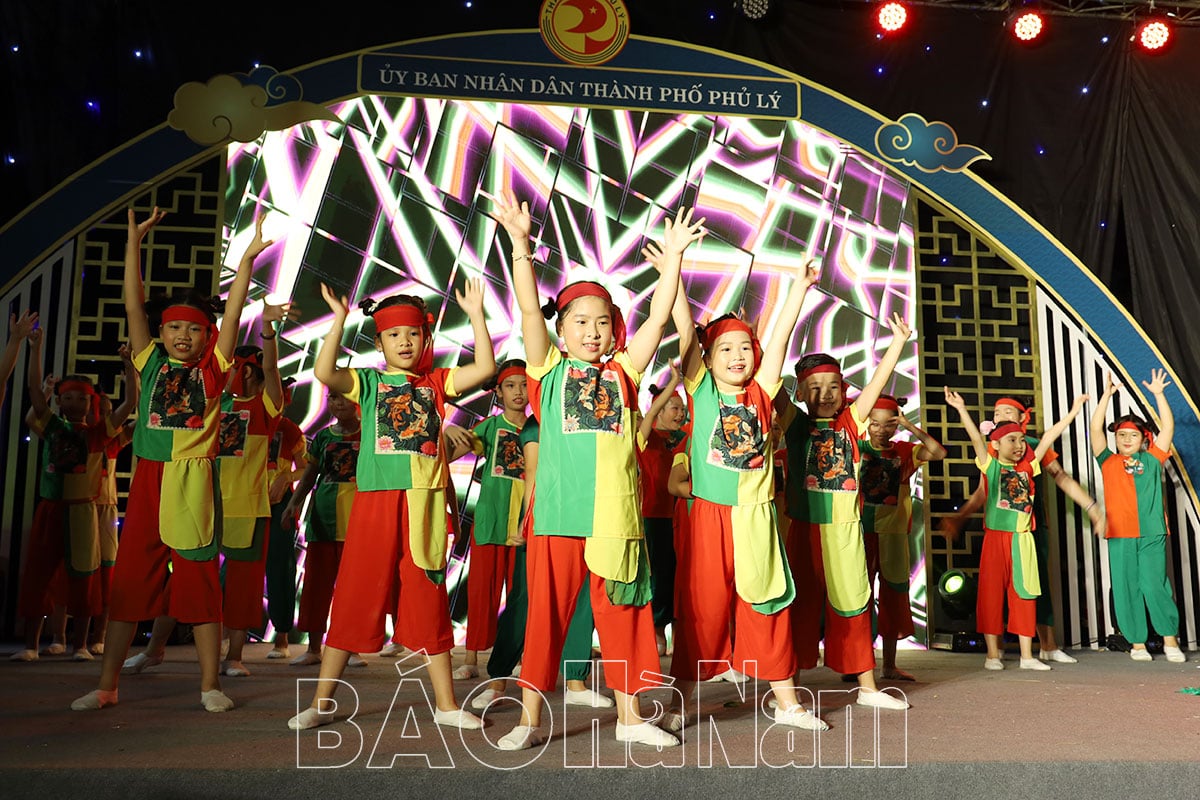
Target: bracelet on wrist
column 272, row 336
column 526, row 257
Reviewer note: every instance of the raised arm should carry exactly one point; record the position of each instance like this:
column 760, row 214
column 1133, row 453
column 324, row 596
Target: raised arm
column 1166, row 420
column 690, row 357
column 776, row 347
column 18, row 331
column 1099, row 435
column 647, row 424
column 135, row 293
column 236, row 300
column 928, row 448
column 678, row 234
column 37, row 395
column 955, row 401
column 883, row 373
column 1056, row 430
column 470, row 299
column 325, row 368
column 272, row 320
column 514, row 218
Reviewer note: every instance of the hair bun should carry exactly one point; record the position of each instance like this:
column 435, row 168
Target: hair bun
column 368, row 306
column 549, row 309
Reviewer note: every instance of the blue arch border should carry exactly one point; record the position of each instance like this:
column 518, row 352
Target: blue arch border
column 74, row 204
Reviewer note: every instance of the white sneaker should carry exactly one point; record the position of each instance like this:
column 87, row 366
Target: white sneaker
column 310, row 718
column 279, row 652
column 589, row 698
column 1034, row 664
column 392, row 650
column 485, row 699
column 881, row 700
column 1140, row 654
column 135, row 664
column 730, row 675
column 1059, row 656
column 645, row 733
column 457, row 719
column 356, row 660
column 465, row 672
column 993, row 663
column 800, row 717
column 521, row 737
column 1174, row 654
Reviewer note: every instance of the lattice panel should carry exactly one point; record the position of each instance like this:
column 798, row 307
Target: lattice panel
column 977, row 337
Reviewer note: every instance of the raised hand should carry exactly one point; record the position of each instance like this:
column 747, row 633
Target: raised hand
column 257, row 244
column 340, row 306
column 1110, row 386
column 35, row 338
column 1158, row 381
column 654, row 254
column 20, row 328
column 681, row 232
column 955, row 400
column 138, row 230
column 470, row 299
column 811, row 273
column 675, row 374
column 1079, row 403
column 900, row 329
column 126, row 354
column 513, row 216
column 280, row 313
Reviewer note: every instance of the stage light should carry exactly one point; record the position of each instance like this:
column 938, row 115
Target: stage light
column 891, row 16
column 754, row 9
column 957, row 592
column 1153, row 34
column 1027, row 25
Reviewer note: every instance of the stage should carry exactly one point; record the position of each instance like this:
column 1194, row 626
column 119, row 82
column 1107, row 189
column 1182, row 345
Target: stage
column 1105, row 727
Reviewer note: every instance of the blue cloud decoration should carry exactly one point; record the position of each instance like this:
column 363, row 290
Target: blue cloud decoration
column 928, row 146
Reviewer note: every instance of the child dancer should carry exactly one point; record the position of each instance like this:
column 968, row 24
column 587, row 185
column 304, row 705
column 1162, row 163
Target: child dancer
column 1008, row 563
column 287, row 458
column 887, row 468
column 587, row 518
column 397, row 530
column 734, row 562
column 65, row 532
column 825, row 545
column 1137, row 524
column 576, row 663
column 172, row 517
column 497, row 511
column 250, row 412
column 659, row 435
column 1010, row 409
column 331, row 470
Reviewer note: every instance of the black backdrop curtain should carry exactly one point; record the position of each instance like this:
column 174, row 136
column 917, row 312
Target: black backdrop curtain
column 1113, row 171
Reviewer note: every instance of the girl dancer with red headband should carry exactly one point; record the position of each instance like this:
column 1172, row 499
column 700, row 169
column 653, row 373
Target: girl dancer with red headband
column 397, row 531
column 176, row 441
column 65, row 533
column 1008, row 563
column 1137, row 525
column 887, row 467
column 587, row 510
column 1009, row 409
column 825, row 544
column 733, row 564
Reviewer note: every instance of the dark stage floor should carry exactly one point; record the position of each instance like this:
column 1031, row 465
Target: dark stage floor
column 1105, row 727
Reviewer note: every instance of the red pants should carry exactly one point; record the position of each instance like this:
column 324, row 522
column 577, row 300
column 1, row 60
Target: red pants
column 243, row 592
column 894, row 614
column 141, row 570
column 556, row 572
column 491, row 570
column 849, row 646
column 706, row 577
column 321, row 561
column 376, row 558
column 995, row 582
column 44, row 559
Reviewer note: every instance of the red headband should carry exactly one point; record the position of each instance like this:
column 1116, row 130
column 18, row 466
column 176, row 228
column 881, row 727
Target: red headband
column 1004, row 429
column 715, row 329
column 508, row 372
column 1130, row 425
column 410, row 316
column 237, row 384
column 186, row 313
column 74, row 386
column 592, row 289
column 887, row 404
column 1008, row 401
column 817, row 370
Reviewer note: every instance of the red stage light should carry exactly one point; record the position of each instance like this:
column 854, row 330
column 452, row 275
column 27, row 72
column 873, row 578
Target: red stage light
column 1153, row 34
column 891, row 17
column 1028, row 26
